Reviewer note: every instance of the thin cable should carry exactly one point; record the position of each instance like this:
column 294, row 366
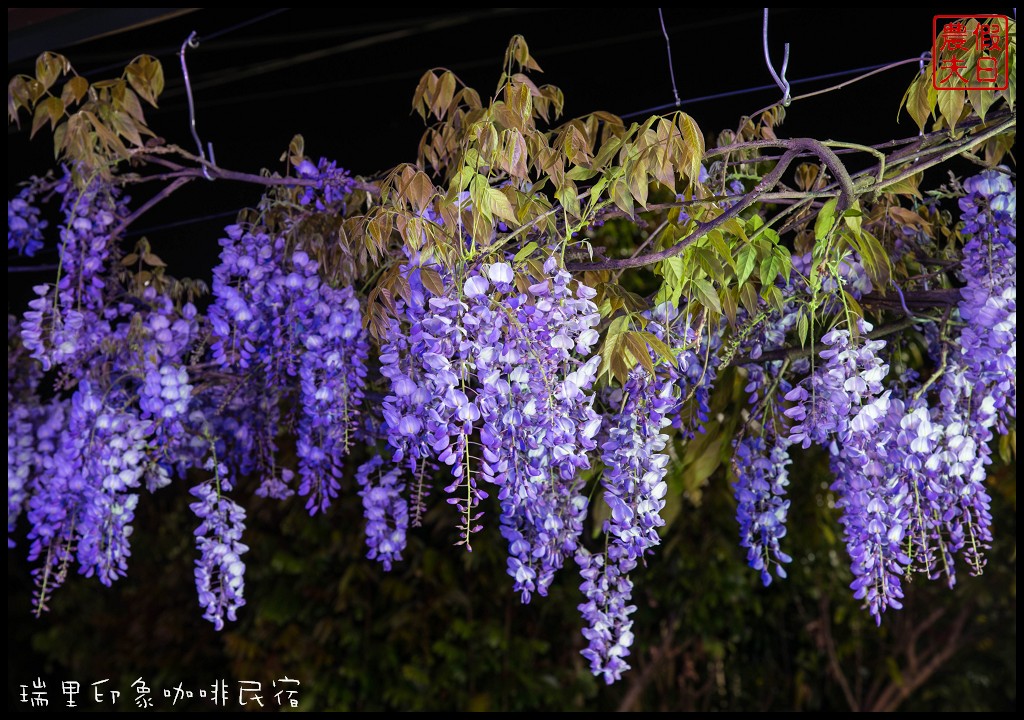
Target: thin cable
column 232, row 75
column 181, row 223
column 780, row 81
column 244, row 23
column 210, row 36
column 759, row 88
column 668, row 50
column 30, row 268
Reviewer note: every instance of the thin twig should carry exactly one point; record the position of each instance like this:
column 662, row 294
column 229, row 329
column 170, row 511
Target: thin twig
column 668, row 49
column 841, row 85
column 149, row 204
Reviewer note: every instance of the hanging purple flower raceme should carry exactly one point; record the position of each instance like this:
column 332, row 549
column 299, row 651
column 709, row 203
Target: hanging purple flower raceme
column 385, row 508
column 24, row 226
column 406, row 408
column 429, row 413
column 847, row 411
column 279, row 318
column 168, row 336
column 697, row 358
column 988, row 305
column 968, row 417
column 24, row 411
column 636, row 462
column 84, row 502
column 536, row 403
column 872, row 499
column 761, row 451
column 220, row 571
column 332, row 375
column 827, row 401
column 246, row 302
column 451, row 414
column 65, row 323
column 635, row 488
column 761, row 507
column 608, row 592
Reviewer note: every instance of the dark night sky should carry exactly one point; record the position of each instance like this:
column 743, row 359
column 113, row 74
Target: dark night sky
column 256, row 85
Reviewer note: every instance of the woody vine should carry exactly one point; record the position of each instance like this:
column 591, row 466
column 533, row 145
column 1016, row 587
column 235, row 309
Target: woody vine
column 478, row 320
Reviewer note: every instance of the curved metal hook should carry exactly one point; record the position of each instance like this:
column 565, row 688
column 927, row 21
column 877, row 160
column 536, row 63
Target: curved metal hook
column 782, row 82
column 192, row 42
column 926, row 57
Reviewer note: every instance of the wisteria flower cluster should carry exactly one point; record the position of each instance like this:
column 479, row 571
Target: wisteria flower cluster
column 486, row 383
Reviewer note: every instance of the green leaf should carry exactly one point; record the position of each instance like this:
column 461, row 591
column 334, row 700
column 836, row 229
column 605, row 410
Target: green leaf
column 621, row 197
column 746, row 260
column 769, row 270
column 658, row 346
column 636, row 176
column 707, row 295
column 671, row 269
column 524, row 252
column 802, row 328
column 853, row 218
column 716, row 239
column 153, row 260
column 146, row 76
column 730, row 303
column 580, row 173
column 906, row 186
column 49, row 67
column 612, row 346
column 920, row 98
column 773, row 296
column 981, row 101
column 626, row 299
column 748, row 298
column 826, row 219
column 500, row 206
column 568, row 198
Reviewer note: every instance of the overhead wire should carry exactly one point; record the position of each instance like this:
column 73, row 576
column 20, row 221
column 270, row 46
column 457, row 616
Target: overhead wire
column 862, row 72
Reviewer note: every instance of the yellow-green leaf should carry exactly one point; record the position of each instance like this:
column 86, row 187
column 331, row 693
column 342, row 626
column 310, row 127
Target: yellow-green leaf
column 951, row 105
column 74, row 90
column 639, row 352
column 432, row 281
column 694, row 140
column 49, row 110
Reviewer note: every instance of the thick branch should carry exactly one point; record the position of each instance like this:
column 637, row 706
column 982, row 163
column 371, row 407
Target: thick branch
column 210, row 171
column 919, row 300
column 769, row 181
